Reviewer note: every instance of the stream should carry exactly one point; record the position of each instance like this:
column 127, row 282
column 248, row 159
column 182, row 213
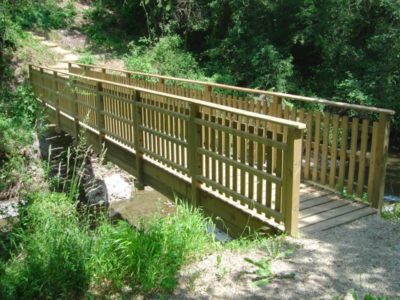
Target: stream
column 392, row 182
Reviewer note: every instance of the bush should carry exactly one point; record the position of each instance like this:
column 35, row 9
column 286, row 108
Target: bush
column 52, row 250
column 43, row 14
column 87, row 58
column 165, row 57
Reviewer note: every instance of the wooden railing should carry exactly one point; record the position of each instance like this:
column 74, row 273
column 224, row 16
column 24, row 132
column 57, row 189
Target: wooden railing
column 223, row 151
column 345, row 145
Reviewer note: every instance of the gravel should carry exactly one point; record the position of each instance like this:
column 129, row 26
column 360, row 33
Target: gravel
column 363, row 256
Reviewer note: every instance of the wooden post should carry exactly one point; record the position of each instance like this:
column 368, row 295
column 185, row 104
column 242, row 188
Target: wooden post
column 291, row 180
column 100, row 113
column 376, row 184
column 276, row 109
column 207, row 92
column 42, row 88
column 56, row 100
column 162, row 85
column 103, row 72
column 69, row 67
column 195, row 160
column 75, row 112
column 138, row 140
column 30, row 73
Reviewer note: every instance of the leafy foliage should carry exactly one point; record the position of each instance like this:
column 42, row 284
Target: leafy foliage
column 338, row 49
column 166, row 57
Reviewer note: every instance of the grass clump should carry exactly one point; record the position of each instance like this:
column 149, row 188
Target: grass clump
column 50, row 254
column 149, row 258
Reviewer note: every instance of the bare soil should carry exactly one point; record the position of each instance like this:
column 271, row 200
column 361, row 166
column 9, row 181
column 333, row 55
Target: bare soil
column 363, row 256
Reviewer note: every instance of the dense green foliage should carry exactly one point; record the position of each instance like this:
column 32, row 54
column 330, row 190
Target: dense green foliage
column 339, row 49
column 51, row 256
column 52, row 253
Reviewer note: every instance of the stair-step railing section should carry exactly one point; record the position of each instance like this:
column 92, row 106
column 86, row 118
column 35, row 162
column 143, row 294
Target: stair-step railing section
column 237, row 155
column 345, row 145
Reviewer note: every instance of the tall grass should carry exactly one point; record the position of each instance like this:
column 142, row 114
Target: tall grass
column 149, row 257
column 51, row 252
column 55, row 255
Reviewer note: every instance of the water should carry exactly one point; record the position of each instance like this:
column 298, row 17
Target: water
column 392, row 182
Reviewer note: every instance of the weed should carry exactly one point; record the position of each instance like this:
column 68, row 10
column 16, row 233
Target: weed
column 392, row 214
column 221, row 271
column 275, row 248
column 87, row 58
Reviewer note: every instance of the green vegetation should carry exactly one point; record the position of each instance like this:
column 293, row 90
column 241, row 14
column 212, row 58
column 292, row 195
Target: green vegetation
column 148, row 257
column 52, row 252
column 87, row 58
column 393, row 214
column 334, row 49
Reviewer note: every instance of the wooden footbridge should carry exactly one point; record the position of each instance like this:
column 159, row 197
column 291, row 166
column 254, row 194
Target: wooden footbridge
column 238, row 153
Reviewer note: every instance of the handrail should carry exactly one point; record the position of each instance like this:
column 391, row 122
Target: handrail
column 275, row 120
column 255, row 91
column 180, row 148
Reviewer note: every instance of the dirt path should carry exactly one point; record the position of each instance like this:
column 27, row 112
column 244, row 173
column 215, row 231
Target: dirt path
column 363, row 256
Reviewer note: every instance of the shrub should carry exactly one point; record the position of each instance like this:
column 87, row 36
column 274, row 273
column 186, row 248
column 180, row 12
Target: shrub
column 87, row 58
column 165, row 57
column 43, row 14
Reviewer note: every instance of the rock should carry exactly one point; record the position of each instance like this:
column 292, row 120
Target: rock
column 117, row 188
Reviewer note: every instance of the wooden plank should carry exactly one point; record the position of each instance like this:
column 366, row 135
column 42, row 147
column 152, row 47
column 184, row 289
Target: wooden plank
column 235, row 142
column 220, row 152
column 322, row 207
column 243, row 174
column 279, row 166
column 308, row 146
column 333, row 213
column 268, row 151
column 227, row 149
column 352, row 160
column 324, row 157
column 363, row 158
column 314, row 194
column 341, row 220
column 260, row 165
column 316, row 145
column 343, row 153
column 332, row 167
column 315, row 202
column 250, row 155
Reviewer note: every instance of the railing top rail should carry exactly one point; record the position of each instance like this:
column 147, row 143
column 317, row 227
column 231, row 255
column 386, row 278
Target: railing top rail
column 275, row 120
column 255, row 91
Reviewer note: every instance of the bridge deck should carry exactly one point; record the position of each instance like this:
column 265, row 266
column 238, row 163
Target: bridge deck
column 321, row 209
